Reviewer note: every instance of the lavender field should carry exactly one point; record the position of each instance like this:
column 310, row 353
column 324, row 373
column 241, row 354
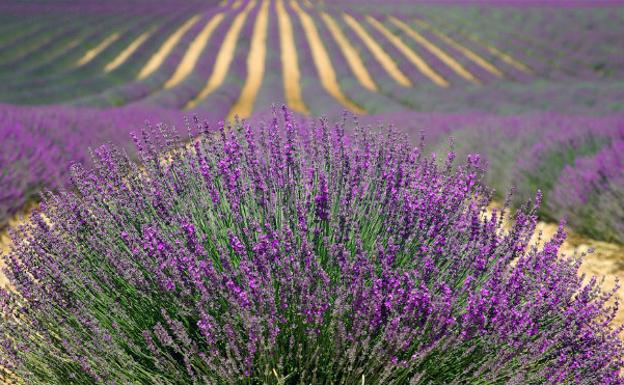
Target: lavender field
column 311, row 192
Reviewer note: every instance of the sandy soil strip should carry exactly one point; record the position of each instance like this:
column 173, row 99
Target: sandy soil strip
column 290, row 61
column 501, row 55
column 93, row 52
column 409, row 53
column 322, row 61
column 5, row 245
column 128, row 51
column 193, row 52
column 606, row 261
column 382, row 57
column 256, row 61
column 224, row 57
column 69, row 46
column 435, row 50
column 308, row 4
column 351, row 54
column 237, row 4
column 159, row 57
column 491, row 49
column 481, row 62
column 5, row 241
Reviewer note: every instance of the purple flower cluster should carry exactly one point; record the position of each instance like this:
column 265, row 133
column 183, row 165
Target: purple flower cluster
column 591, row 193
column 294, row 252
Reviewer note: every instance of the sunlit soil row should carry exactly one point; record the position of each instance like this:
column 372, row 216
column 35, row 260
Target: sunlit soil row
column 473, row 56
column 409, row 53
column 479, row 41
column 194, row 51
column 172, row 68
column 501, row 55
column 322, row 60
column 378, row 52
column 290, row 62
column 79, row 45
column 224, row 57
column 159, row 57
column 127, row 52
column 443, row 56
column 545, row 45
column 351, row 54
column 255, row 65
column 92, row 53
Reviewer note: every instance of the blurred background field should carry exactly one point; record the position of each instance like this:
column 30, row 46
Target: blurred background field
column 536, row 87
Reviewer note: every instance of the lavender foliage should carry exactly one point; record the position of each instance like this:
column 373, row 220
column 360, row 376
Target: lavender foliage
column 294, row 252
column 591, row 193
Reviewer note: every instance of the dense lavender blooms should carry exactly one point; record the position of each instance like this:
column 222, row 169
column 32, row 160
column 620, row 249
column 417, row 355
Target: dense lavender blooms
column 591, row 193
column 294, row 253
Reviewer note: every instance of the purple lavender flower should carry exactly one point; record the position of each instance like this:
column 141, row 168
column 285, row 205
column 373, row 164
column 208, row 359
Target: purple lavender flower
column 336, row 258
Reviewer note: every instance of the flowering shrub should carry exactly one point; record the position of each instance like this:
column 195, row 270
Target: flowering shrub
column 294, row 253
column 592, row 185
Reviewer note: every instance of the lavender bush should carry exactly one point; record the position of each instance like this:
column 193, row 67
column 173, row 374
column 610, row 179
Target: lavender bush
column 294, row 253
column 592, row 186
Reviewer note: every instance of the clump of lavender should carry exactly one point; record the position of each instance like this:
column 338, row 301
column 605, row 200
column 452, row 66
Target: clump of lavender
column 591, row 193
column 293, row 253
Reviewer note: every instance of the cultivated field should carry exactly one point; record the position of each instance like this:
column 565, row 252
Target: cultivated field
column 535, row 88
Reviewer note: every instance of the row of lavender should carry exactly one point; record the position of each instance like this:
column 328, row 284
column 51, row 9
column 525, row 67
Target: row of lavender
column 38, row 144
column 577, row 161
column 515, row 92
